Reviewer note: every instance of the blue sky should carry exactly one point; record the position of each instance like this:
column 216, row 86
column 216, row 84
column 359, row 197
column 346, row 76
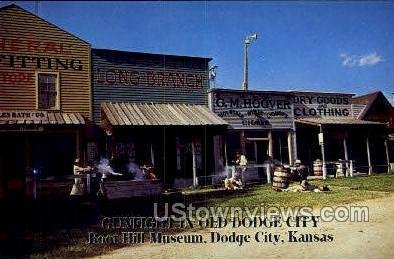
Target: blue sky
column 318, row 46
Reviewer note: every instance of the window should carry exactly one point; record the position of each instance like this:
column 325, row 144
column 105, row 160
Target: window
column 47, row 91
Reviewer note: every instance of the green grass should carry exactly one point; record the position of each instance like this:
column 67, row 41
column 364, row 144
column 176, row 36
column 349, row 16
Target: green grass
column 343, row 191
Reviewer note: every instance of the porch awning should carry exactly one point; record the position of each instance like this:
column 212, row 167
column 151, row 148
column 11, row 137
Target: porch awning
column 149, row 114
column 31, row 117
column 337, row 121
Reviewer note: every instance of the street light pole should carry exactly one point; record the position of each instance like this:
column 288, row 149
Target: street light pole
column 245, row 82
column 246, row 71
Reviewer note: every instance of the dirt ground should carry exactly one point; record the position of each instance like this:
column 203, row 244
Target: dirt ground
column 373, row 239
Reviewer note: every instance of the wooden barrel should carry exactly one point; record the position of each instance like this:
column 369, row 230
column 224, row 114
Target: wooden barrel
column 318, row 167
column 281, row 178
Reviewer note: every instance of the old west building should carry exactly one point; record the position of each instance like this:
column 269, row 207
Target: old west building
column 45, row 99
column 299, row 125
column 327, row 129
column 261, row 126
column 375, row 107
column 152, row 108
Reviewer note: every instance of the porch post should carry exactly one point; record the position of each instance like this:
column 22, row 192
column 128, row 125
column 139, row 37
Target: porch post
column 242, row 141
column 290, row 146
column 268, row 171
column 295, row 151
column 294, row 131
column 194, row 164
column 270, row 144
column 323, row 156
column 346, row 154
column 386, row 145
column 369, row 157
column 78, row 145
column 225, row 153
column 152, row 155
column 178, row 153
column 351, row 168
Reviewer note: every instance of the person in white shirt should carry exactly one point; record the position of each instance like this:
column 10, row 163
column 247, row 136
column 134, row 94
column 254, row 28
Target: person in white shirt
column 78, row 188
column 241, row 162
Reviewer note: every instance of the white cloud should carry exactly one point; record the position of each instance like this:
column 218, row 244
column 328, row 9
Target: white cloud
column 370, row 60
column 360, row 61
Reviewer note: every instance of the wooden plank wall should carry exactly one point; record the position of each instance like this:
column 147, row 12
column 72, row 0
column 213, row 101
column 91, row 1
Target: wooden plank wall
column 139, row 77
column 24, row 34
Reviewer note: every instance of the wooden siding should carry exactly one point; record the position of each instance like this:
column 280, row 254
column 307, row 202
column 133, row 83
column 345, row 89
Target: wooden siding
column 147, row 78
column 357, row 110
column 24, row 34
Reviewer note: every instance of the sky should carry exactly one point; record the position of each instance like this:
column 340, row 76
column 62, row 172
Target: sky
column 301, row 45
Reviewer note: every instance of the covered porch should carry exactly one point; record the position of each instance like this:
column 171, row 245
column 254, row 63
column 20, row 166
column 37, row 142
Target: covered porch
column 343, row 146
column 181, row 142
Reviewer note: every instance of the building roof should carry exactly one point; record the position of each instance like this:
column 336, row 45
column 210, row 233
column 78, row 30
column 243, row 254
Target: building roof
column 123, row 53
column 50, row 24
column 369, row 100
column 336, row 121
column 48, row 118
column 149, row 114
column 289, row 92
column 366, row 98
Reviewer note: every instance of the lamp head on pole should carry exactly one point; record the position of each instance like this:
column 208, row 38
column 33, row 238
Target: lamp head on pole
column 250, row 38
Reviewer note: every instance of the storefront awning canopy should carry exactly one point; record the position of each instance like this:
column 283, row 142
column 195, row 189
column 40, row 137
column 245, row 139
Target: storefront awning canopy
column 145, row 114
column 18, row 117
column 336, row 121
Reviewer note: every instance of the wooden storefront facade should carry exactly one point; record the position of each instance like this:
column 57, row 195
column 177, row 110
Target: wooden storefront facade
column 328, row 129
column 375, row 107
column 308, row 126
column 261, row 127
column 45, row 99
column 152, row 108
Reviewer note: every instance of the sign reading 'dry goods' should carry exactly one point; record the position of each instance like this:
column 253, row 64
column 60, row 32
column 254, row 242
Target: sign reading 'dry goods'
column 322, row 105
column 253, row 110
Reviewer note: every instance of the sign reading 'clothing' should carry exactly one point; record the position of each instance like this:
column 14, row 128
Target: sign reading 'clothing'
column 322, row 105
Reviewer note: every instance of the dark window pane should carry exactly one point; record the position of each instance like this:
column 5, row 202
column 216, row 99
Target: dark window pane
column 47, row 91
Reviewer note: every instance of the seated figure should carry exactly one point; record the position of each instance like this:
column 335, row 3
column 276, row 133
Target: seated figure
column 149, row 171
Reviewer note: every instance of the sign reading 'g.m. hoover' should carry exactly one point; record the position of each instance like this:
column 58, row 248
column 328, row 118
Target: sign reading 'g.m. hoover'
column 253, row 110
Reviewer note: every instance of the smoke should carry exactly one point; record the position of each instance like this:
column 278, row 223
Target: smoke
column 136, row 171
column 105, row 169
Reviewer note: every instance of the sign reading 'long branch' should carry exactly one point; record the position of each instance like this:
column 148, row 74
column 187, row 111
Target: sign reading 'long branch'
column 160, row 78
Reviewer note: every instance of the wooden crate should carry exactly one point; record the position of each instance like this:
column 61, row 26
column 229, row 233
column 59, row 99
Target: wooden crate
column 132, row 188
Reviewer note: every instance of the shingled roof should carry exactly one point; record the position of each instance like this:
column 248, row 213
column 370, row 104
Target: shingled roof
column 369, row 100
